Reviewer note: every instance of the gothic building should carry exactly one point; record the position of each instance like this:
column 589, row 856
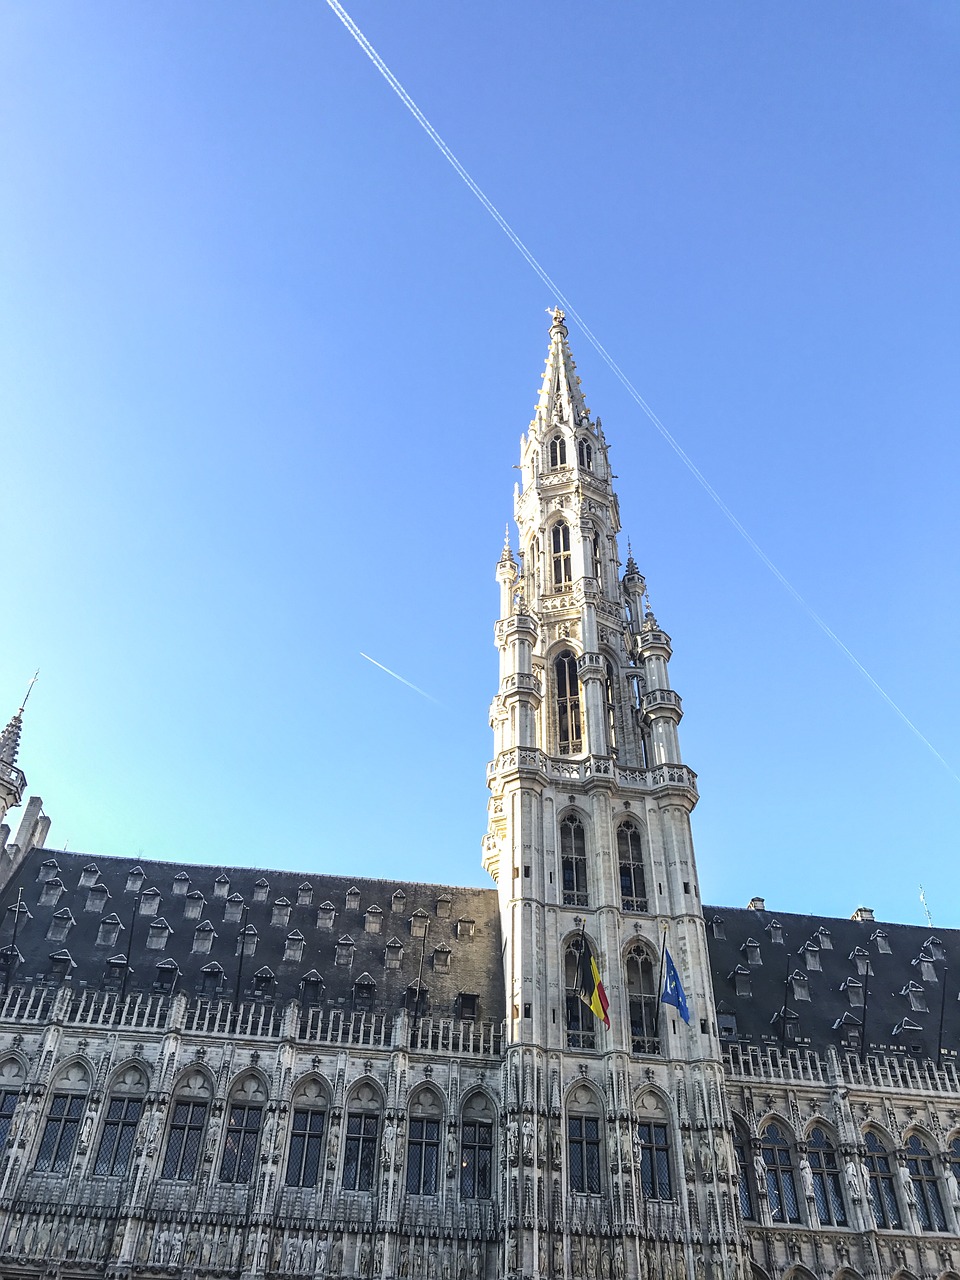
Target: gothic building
column 230, row 1072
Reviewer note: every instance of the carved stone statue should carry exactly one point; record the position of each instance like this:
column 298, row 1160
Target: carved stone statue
column 806, row 1177
column 906, row 1185
column 529, row 1133
column 446, row 1263
column 593, row 1258
column 364, row 1259
column 322, row 1249
column 720, row 1155
column 336, row 1259
column 760, row 1170
column 558, row 1268
column 706, row 1156
column 378, row 1257
column 557, row 1148
column 451, row 1153
column 512, row 1257
column 291, row 1254
column 513, row 1140
column 619, row 1265
column 192, row 1247
column 176, row 1248
column 403, row 1260
column 388, row 1144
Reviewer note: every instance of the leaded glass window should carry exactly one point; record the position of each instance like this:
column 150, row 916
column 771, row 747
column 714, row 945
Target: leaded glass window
column 633, row 887
column 562, row 564
column 569, row 731
column 476, row 1160
column 8, row 1105
column 743, row 1177
column 581, row 1024
column 644, row 1005
column 827, row 1188
column 573, row 861
column 116, row 1141
column 240, row 1148
column 184, row 1141
column 781, row 1183
column 60, row 1133
column 583, row 1133
column 654, row 1147
column 558, row 451
column 926, row 1188
column 883, row 1195
column 306, row 1145
column 423, row 1157
column 360, row 1151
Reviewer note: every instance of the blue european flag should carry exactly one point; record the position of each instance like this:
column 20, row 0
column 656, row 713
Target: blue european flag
column 673, row 992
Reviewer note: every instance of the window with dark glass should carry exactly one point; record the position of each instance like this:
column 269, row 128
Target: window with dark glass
column 644, row 1005
column 360, row 1151
column 423, row 1157
column 240, row 1147
column 781, row 1183
column 569, row 733
column 183, row 1143
column 633, row 888
column 585, row 453
column 827, row 1188
column 583, row 1134
column 558, row 451
column 562, row 565
column 116, row 1141
column 573, row 861
column 654, row 1149
column 306, row 1145
column 60, row 1133
column 883, row 1195
column 925, row 1186
column 744, row 1193
column 476, row 1160
column 8, row 1105
column 610, row 704
column 581, row 1024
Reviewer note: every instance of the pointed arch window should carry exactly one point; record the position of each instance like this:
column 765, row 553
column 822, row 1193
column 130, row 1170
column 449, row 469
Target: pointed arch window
column 569, row 732
column 123, row 1115
column 585, row 453
column 644, row 1006
column 781, row 1182
column 744, row 1191
column 423, row 1144
column 583, row 1139
column 827, row 1189
column 62, row 1128
column 558, row 451
column 360, row 1148
column 187, row 1125
column 476, row 1149
column 597, row 562
column 654, row 1149
column 633, row 888
column 926, row 1188
column 240, row 1148
column 306, row 1135
column 562, row 564
column 581, row 1024
column 883, row 1195
column 573, row 861
column 609, row 684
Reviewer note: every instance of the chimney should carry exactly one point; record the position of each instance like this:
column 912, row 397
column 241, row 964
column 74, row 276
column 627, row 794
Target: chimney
column 862, row 914
column 756, row 904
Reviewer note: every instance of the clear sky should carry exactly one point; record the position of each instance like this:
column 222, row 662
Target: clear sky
column 265, row 362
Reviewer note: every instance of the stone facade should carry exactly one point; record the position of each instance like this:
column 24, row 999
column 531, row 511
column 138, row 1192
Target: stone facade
column 214, row 1071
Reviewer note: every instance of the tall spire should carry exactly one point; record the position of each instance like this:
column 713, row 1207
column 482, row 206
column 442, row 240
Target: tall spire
column 10, row 737
column 560, row 396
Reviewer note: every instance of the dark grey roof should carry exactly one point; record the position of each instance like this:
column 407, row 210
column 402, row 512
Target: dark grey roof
column 474, row 955
column 834, row 1014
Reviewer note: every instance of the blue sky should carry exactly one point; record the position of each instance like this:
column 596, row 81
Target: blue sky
column 265, row 363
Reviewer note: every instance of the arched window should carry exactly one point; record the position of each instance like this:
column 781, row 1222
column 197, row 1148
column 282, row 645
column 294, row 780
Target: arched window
column 597, row 562
column 423, row 1144
column 63, row 1120
column 11, row 1081
column 744, row 1191
column 644, row 1006
column 558, row 451
column 476, row 1148
column 244, row 1121
column 306, row 1134
column 926, row 1189
column 827, row 1190
column 188, row 1121
column 581, row 1024
column 585, row 453
column 569, row 734
column 955, row 1163
column 584, row 1143
column 653, row 1149
column 573, row 861
column 562, row 564
column 124, row 1110
column 609, row 684
column 883, row 1195
column 360, row 1148
column 781, row 1183
column 633, row 888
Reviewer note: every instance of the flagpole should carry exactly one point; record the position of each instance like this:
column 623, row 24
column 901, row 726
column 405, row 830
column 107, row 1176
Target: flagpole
column 663, row 960
column 785, row 1010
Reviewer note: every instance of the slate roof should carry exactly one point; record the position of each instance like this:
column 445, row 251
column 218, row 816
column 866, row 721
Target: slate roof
column 834, row 1014
column 91, row 900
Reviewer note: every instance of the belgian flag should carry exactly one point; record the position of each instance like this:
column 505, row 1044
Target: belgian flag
column 591, row 988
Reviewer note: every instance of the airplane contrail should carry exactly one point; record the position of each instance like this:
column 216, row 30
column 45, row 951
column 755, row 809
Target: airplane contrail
column 428, row 696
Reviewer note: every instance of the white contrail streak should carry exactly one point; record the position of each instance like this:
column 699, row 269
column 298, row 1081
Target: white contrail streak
column 428, row 696
column 608, row 359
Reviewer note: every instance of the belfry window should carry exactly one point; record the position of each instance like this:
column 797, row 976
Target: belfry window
column 581, row 1024
column 597, row 563
column 642, row 994
column 558, row 451
column 562, row 565
column 585, row 453
column 573, row 861
column 611, row 707
column 569, row 732
column 633, row 889
column 476, row 1150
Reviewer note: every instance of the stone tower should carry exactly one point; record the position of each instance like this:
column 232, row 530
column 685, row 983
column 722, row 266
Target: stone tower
column 589, row 842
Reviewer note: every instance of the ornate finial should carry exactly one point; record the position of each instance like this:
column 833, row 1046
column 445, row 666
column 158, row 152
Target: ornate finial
column 33, row 681
column 506, row 555
column 556, row 315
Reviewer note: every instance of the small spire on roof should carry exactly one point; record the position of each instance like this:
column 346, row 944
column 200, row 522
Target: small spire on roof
column 10, row 737
column 506, row 555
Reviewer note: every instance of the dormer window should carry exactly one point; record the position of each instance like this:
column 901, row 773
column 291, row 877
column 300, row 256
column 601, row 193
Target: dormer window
column 751, row 952
column 727, row 1025
column 233, row 909
column 281, row 912
column 211, row 978
column 882, row 941
column 823, row 939
column 293, row 947
column 441, row 958
column 775, row 930
column 742, row 980
column 48, row 869
column 854, row 992
column 345, row 950
column 353, row 899
column 443, row 906
column 167, row 972
column 193, row 905
column 916, row 995
column 790, row 1021
column 467, row 1004
column 150, row 902
column 109, row 931
column 417, row 999
column 418, row 923
column 157, row 935
column 261, row 890
column 372, row 920
column 466, row 928
column 861, row 959
column 907, row 1028
column 304, row 894
column 89, row 875
column 135, row 879
column 97, row 898
column 811, row 957
column 51, row 892
column 326, row 914
column 364, row 992
column 558, row 451
column 61, row 962
column 113, row 972
column 181, row 884
column 393, row 954
column 800, row 984
column 263, row 981
column 934, row 948
column 203, row 937
column 221, row 886
column 851, row 1027
column 585, row 453
column 398, row 902
column 248, row 937
column 718, row 928
column 60, row 925
column 924, row 962
column 311, row 985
